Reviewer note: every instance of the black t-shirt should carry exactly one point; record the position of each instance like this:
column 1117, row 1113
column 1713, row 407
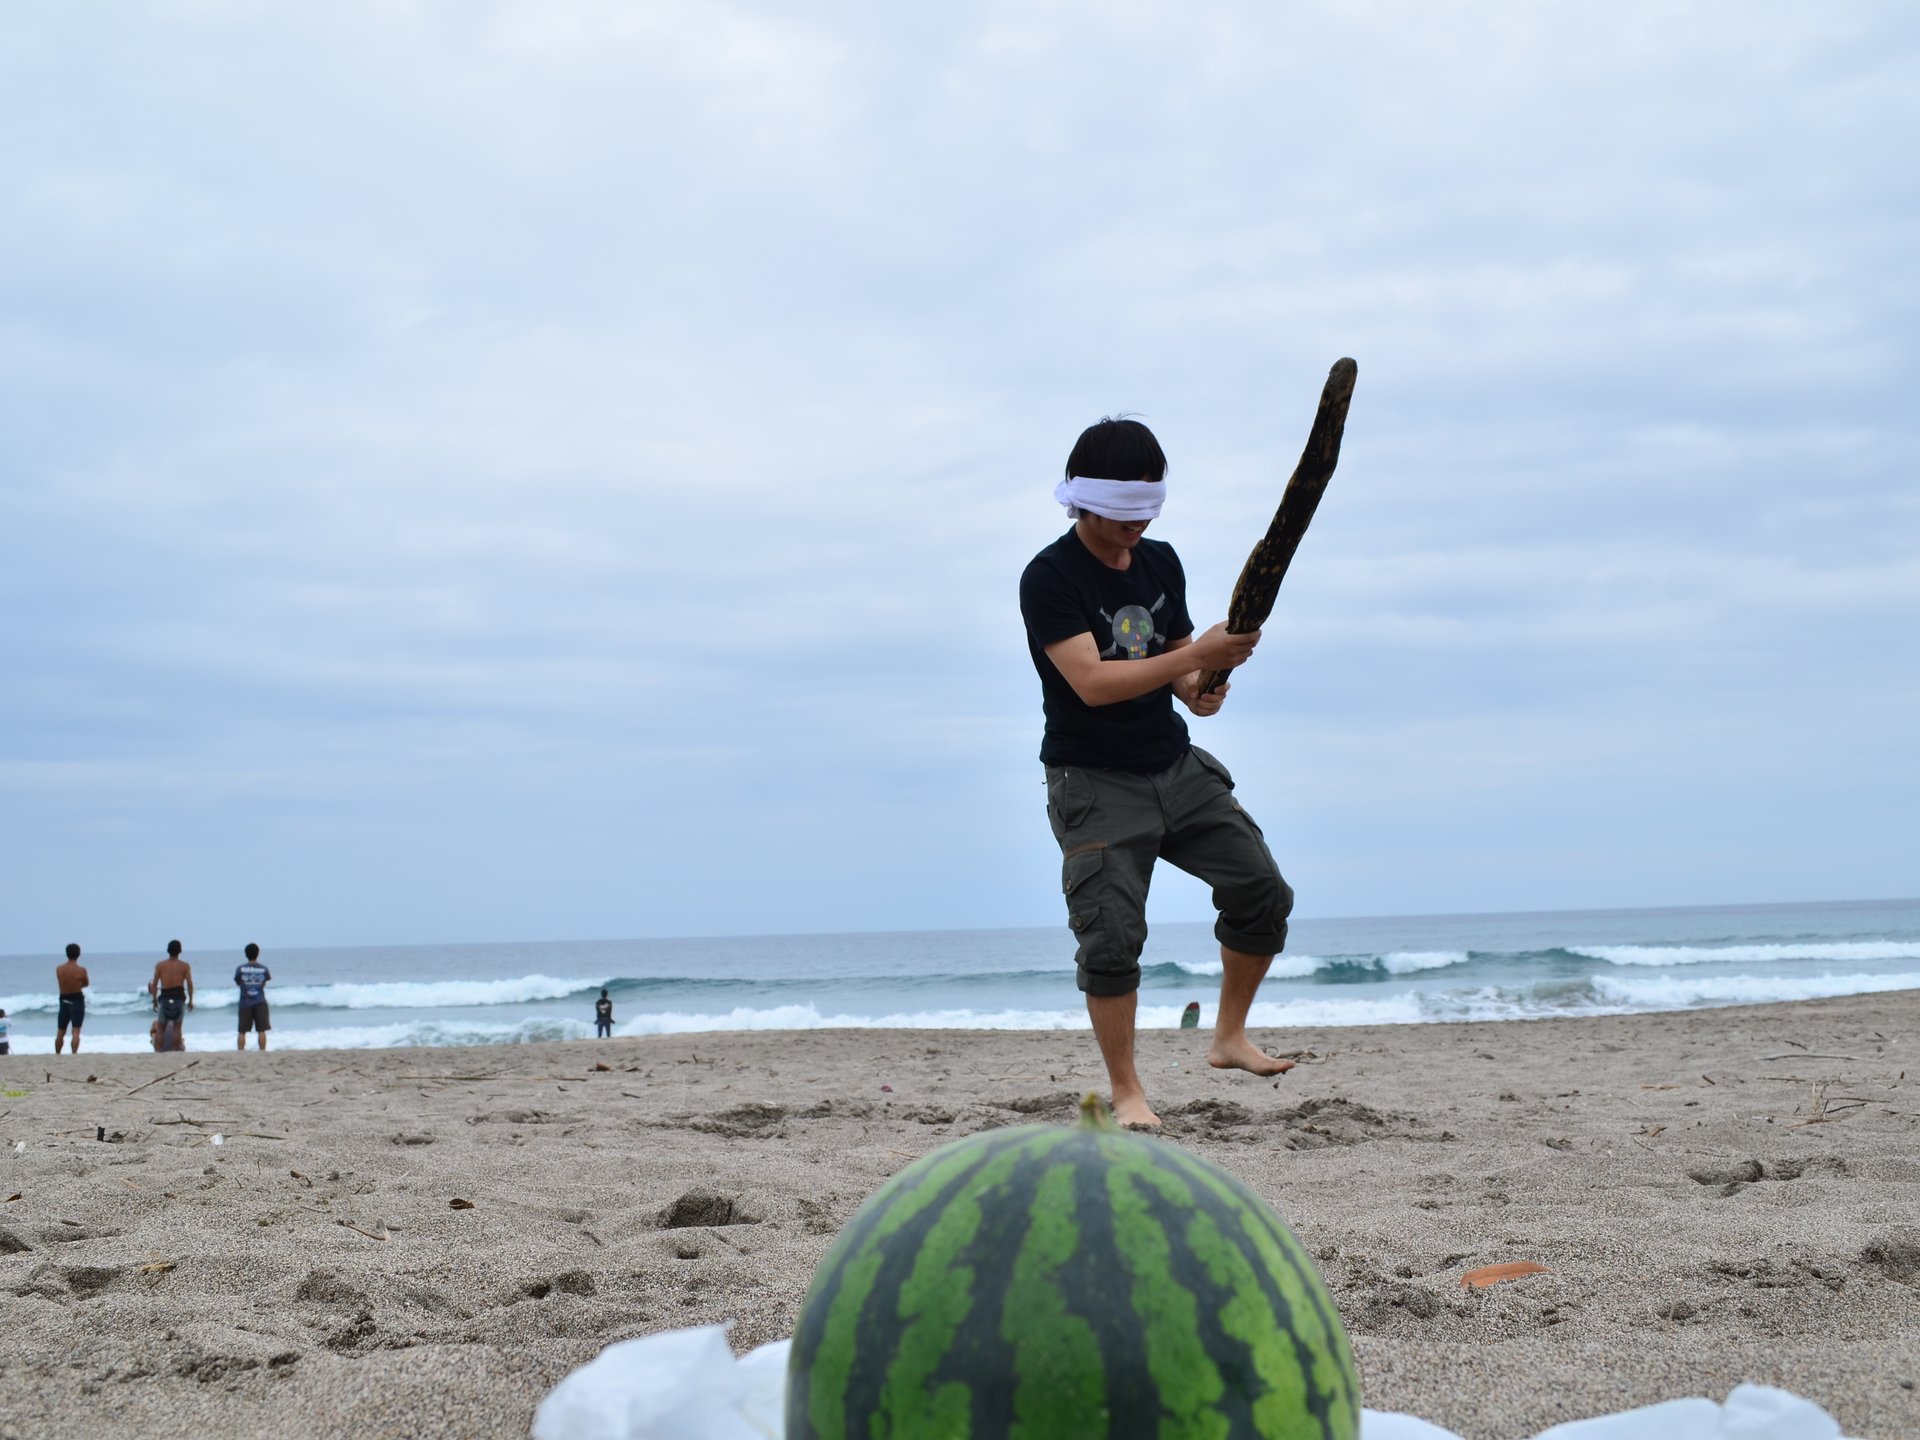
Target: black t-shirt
column 1131, row 614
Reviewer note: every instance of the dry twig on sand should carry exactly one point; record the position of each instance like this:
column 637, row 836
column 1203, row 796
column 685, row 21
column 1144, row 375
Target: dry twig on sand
column 1807, row 1055
column 1821, row 1111
column 158, row 1078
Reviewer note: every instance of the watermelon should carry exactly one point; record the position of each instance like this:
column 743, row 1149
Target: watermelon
column 1056, row 1282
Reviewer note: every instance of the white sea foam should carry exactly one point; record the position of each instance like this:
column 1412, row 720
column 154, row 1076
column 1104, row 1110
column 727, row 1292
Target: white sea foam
column 1674, row 992
column 1299, row 967
column 1407, row 962
column 1841, row 951
column 1432, row 1000
column 352, row 1037
column 1288, row 967
column 430, row 994
column 371, row 995
column 99, row 1002
column 1212, row 967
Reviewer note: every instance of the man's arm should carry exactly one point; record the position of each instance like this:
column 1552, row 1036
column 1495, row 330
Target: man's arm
column 1186, row 688
column 189, row 987
column 1098, row 683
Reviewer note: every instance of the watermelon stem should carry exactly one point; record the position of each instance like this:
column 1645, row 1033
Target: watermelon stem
column 1094, row 1114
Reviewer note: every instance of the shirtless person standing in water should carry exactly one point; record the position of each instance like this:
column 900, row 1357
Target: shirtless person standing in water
column 172, row 987
column 71, row 978
column 1108, row 631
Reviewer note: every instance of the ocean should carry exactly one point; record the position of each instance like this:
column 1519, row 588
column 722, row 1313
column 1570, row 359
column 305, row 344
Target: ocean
column 1403, row 970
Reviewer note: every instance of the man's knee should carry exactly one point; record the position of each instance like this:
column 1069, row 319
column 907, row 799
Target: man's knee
column 1112, row 934
column 1253, row 918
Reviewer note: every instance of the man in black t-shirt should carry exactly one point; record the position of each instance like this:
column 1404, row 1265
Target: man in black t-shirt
column 1109, row 634
column 252, row 977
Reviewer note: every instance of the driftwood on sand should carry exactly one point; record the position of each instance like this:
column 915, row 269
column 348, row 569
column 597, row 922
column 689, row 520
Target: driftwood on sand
column 1259, row 582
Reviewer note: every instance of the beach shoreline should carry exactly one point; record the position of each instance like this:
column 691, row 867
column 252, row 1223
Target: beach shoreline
column 311, row 1275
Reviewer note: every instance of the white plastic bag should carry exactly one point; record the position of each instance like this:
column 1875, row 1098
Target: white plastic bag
column 1390, row 1425
column 1752, row 1412
column 686, row 1385
column 679, row 1385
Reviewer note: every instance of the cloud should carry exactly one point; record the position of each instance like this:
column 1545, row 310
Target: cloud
column 563, row 471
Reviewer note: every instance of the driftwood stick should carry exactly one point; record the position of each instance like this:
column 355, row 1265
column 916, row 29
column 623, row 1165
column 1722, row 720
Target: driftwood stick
column 158, row 1078
column 1804, row 1056
column 1266, row 567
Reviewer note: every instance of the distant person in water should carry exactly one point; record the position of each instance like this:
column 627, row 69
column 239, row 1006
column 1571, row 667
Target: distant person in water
column 602, row 1016
column 71, row 978
column 252, row 979
column 3, row 1033
column 172, row 991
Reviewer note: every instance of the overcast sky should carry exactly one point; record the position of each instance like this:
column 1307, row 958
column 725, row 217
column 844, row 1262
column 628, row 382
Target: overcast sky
column 510, row 471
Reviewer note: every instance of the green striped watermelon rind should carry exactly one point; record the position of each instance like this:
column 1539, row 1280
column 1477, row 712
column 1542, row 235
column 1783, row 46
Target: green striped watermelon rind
column 1067, row 1283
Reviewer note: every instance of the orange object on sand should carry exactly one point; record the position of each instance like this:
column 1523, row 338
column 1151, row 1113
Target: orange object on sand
column 1493, row 1274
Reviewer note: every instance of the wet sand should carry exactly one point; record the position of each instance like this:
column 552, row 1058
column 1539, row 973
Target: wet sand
column 312, row 1275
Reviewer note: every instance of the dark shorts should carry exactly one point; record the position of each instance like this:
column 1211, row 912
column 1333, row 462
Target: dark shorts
column 73, row 1012
column 172, row 1007
column 1113, row 825
column 254, row 1016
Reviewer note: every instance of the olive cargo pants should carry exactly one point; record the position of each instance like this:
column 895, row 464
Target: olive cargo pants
column 1113, row 825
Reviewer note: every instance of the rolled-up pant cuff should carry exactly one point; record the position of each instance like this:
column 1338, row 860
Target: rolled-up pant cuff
column 1251, row 942
column 1106, row 982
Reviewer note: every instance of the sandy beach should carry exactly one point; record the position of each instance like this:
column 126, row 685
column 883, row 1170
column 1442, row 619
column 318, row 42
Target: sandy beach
column 423, row 1241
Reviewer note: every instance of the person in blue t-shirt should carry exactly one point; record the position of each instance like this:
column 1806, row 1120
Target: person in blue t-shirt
column 252, row 979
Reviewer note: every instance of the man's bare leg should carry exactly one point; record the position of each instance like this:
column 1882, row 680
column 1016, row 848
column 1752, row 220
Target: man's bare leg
column 263, row 1038
column 241, row 1042
column 1112, row 1017
column 1240, row 977
column 60, row 1040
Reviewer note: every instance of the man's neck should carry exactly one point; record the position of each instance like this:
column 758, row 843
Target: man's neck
column 1114, row 557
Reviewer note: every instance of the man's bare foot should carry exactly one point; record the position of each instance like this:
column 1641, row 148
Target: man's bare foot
column 1241, row 1053
column 1131, row 1110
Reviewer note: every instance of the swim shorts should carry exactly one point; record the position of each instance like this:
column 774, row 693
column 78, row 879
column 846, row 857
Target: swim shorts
column 73, row 1011
column 173, row 1005
column 254, row 1015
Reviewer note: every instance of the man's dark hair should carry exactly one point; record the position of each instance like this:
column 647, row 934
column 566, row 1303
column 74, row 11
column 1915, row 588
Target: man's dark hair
column 253, row 951
column 603, row 994
column 73, row 952
column 1117, row 449
column 173, row 947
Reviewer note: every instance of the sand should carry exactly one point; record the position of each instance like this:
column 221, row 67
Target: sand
column 312, row 1275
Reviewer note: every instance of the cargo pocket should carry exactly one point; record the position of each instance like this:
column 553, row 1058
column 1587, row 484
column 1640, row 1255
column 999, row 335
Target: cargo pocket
column 1214, row 765
column 1069, row 798
column 1076, row 869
